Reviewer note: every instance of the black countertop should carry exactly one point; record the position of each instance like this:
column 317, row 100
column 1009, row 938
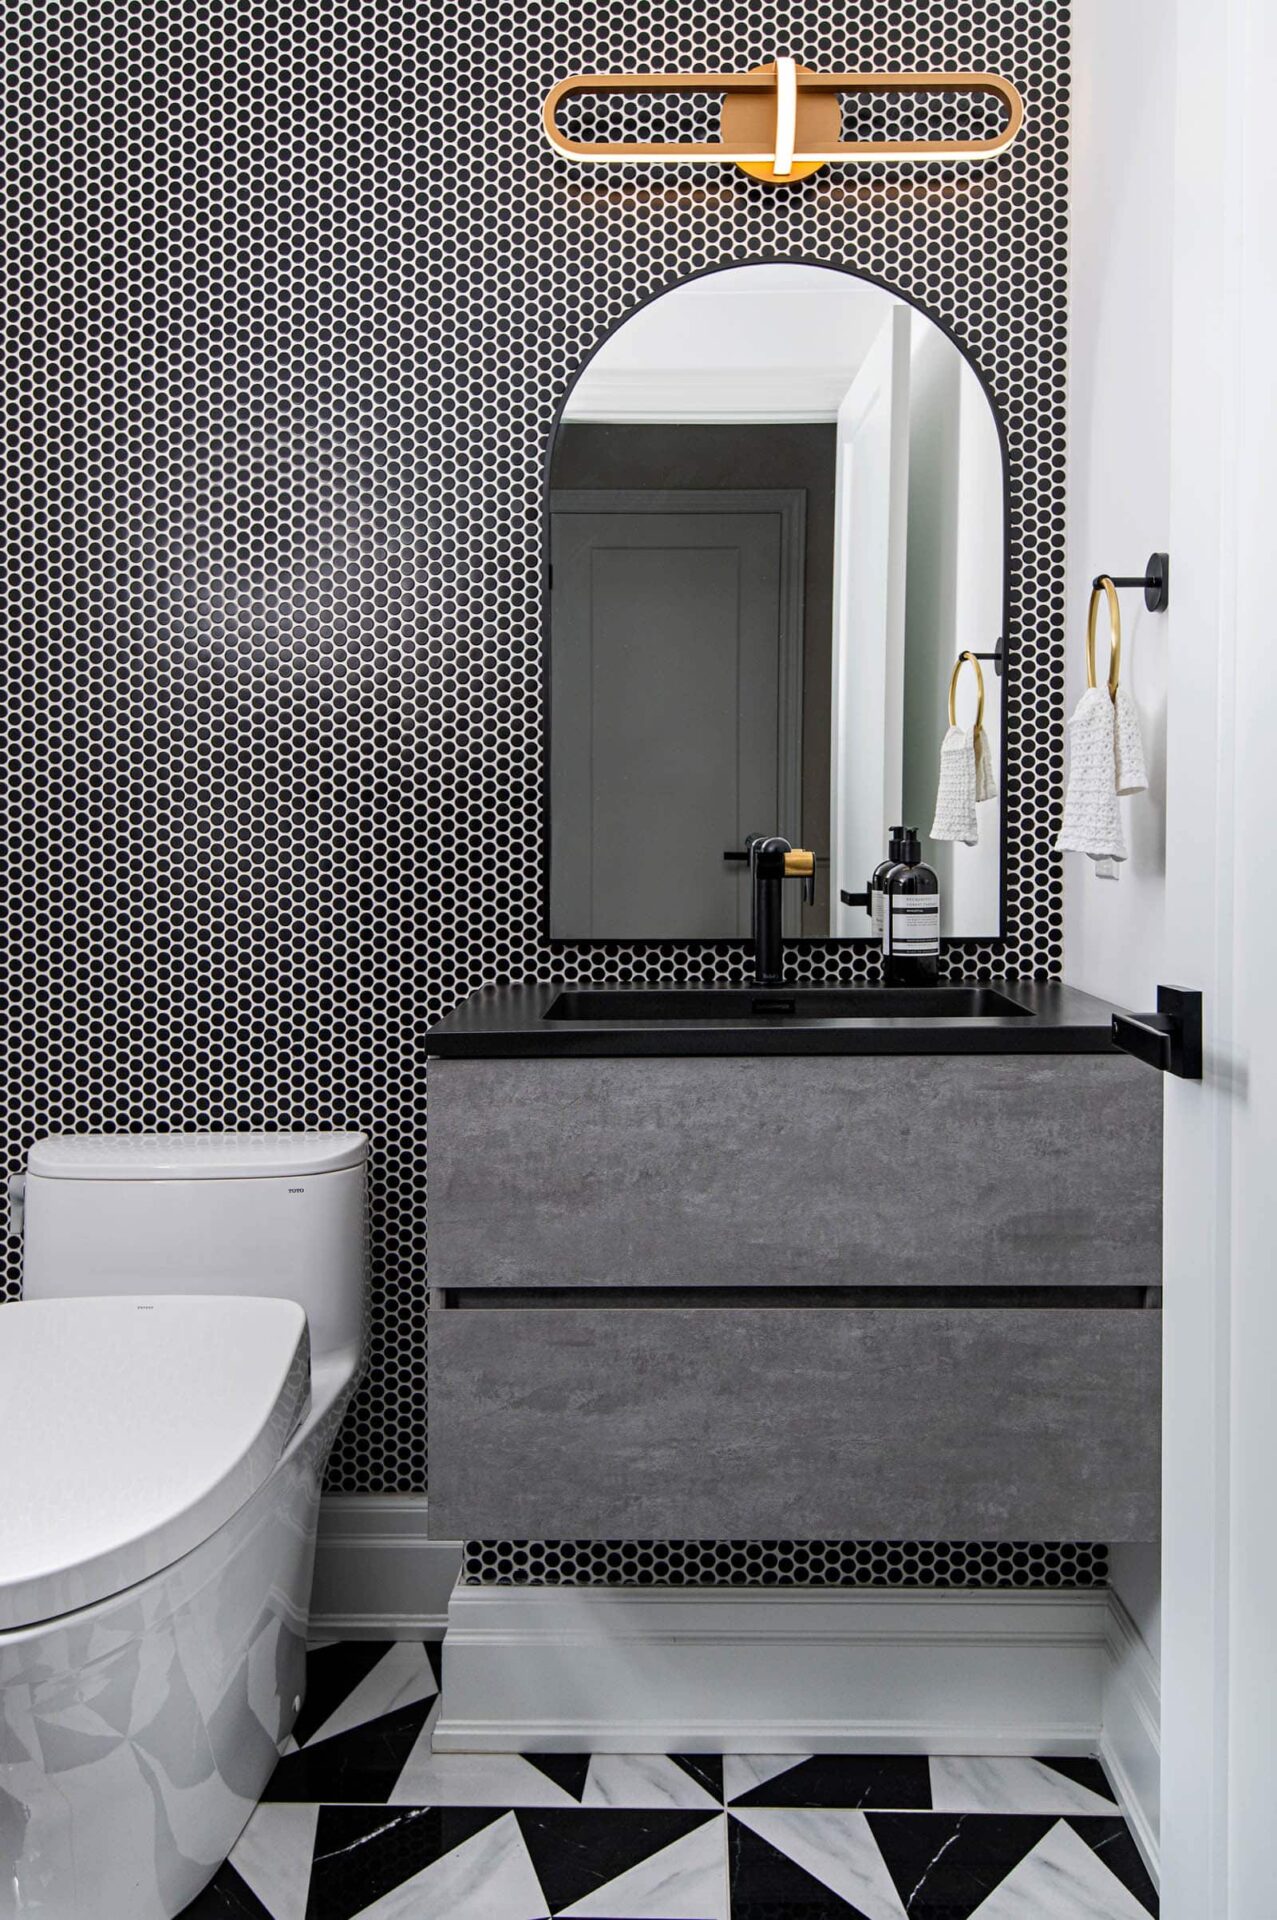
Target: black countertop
column 519, row 1022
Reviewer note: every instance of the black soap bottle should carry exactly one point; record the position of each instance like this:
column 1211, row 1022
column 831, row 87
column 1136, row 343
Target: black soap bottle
column 877, row 898
column 911, row 917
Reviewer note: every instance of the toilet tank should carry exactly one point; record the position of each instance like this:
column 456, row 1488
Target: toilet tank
column 280, row 1214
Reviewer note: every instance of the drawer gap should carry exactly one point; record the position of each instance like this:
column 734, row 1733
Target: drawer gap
column 845, row 1298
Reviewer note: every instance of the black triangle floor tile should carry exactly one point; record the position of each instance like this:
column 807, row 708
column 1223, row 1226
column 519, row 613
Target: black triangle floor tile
column 1083, row 1773
column 567, row 1770
column 362, row 1853
column 705, row 1768
column 945, row 1864
column 226, row 1897
column 362, row 1765
column 847, row 1780
column 767, row 1885
column 1110, row 1840
column 434, row 1654
column 331, row 1674
column 574, row 1851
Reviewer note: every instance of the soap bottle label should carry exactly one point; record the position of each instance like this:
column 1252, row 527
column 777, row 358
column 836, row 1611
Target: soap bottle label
column 877, row 898
column 912, row 925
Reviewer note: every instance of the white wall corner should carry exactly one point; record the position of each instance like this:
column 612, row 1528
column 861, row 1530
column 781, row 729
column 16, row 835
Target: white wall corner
column 641, row 1670
column 378, row 1575
column 1130, row 1743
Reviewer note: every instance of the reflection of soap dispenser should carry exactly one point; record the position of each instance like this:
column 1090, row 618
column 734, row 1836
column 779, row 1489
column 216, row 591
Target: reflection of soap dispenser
column 911, row 917
column 895, row 850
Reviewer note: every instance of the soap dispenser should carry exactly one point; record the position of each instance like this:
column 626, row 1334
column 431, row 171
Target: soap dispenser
column 911, row 917
column 877, row 881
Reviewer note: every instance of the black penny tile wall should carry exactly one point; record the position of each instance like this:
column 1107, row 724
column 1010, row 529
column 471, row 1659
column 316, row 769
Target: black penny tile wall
column 290, row 296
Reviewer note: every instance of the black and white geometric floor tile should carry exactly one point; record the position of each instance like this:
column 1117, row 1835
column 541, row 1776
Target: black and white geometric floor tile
column 362, row 1822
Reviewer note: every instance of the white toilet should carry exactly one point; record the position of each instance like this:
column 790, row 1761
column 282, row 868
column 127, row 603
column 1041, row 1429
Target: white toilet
column 190, row 1333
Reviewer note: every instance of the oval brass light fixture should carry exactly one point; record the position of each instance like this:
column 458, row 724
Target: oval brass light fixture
column 780, row 122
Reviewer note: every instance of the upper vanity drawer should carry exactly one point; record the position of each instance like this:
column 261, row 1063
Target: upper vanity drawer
column 852, row 1171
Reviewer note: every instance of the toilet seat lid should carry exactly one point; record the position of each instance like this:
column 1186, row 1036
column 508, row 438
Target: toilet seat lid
column 133, row 1427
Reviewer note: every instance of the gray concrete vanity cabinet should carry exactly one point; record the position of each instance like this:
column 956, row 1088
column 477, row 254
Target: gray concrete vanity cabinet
column 857, row 1294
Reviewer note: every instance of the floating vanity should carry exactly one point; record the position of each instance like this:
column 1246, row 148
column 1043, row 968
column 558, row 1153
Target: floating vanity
column 718, row 1263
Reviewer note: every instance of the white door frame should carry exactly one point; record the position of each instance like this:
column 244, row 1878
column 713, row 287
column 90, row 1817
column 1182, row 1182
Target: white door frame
column 1219, row 1702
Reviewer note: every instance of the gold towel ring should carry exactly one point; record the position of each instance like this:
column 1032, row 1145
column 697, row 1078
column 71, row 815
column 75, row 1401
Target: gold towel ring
column 953, row 691
column 1115, row 634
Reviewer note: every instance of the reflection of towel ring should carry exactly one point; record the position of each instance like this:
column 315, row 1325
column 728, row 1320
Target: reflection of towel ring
column 953, row 691
column 1104, row 585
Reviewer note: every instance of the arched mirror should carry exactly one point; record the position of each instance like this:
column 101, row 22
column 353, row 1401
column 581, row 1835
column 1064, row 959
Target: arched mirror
column 776, row 519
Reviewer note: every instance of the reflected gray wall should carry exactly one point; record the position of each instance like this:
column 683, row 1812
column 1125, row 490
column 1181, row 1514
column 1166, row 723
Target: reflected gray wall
column 625, row 454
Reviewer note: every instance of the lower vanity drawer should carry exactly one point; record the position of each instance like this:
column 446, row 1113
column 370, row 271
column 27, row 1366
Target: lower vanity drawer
column 745, row 1422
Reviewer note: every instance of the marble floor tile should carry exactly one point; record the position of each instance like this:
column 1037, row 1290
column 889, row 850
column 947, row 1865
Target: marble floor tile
column 944, row 1864
column 845, row 1780
column 487, row 1876
column 273, row 1856
column 642, row 1780
column 575, row 1853
column 1062, row 1879
column 363, row 1853
column 744, row 1771
column 686, row 1880
column 835, row 1846
column 966, row 1785
column 403, row 1676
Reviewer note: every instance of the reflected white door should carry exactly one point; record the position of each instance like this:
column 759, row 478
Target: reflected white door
column 870, row 552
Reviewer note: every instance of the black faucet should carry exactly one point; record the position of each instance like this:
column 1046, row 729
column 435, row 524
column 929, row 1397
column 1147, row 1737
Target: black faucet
column 772, row 860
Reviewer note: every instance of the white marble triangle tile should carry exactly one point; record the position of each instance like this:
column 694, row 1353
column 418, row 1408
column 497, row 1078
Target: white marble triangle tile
column 1061, row 1880
column 488, row 1877
column 744, row 1771
column 835, row 1846
column 641, row 1780
column 965, row 1785
column 401, row 1678
column 472, row 1779
column 685, row 1881
column 273, row 1854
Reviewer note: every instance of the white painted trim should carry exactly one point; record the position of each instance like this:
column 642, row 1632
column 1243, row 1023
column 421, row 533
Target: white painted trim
column 378, row 1575
column 1130, row 1743
column 660, row 1669
column 706, row 396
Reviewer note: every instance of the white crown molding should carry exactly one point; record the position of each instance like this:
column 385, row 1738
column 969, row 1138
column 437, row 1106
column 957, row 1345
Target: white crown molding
column 805, row 1671
column 709, row 396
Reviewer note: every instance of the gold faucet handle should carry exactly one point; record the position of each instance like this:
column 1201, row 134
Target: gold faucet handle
column 799, row 864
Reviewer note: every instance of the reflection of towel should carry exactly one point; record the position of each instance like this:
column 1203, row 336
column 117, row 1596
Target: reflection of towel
column 1131, row 775
column 986, row 781
column 1092, row 820
column 956, row 793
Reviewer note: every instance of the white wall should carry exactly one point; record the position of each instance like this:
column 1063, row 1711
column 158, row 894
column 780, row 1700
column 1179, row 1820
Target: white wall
column 1122, row 140
column 1123, row 146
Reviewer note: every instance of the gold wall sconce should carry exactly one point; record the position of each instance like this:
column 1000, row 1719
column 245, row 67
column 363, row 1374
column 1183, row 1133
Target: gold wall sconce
column 780, row 122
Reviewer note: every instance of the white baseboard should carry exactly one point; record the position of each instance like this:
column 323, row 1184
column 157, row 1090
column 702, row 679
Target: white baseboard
column 806, row 1671
column 1130, row 1742
column 377, row 1575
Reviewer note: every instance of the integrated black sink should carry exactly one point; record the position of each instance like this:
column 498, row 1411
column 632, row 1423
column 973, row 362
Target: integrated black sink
column 552, row 1020
column 608, row 1005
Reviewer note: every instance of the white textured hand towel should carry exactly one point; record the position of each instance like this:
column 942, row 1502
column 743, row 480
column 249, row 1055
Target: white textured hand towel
column 986, row 781
column 1131, row 774
column 1092, row 818
column 955, row 795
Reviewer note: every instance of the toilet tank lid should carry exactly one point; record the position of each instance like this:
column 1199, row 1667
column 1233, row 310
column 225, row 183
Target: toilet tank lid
column 135, row 1426
column 193, row 1156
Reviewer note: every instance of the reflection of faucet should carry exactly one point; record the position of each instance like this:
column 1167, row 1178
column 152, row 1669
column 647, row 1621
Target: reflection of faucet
column 771, row 861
